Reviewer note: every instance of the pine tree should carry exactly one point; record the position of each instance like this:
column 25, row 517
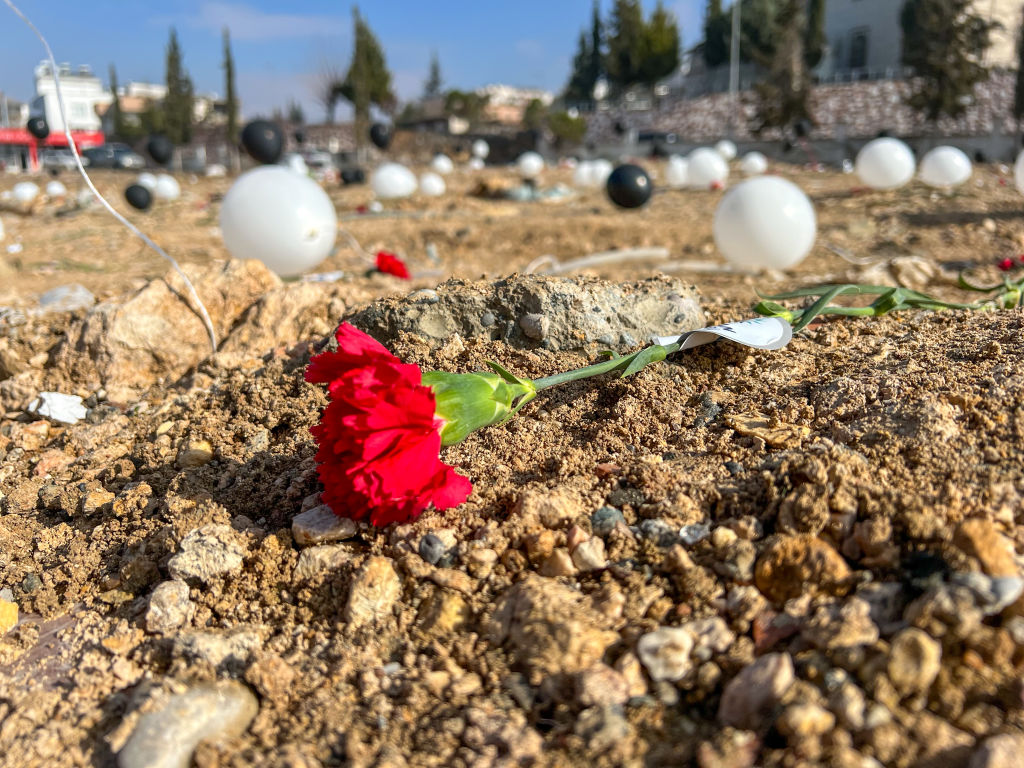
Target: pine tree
column 368, row 81
column 717, row 31
column 230, row 98
column 783, row 95
column 661, row 46
column 296, row 114
column 116, row 118
column 1018, row 91
column 814, row 39
column 625, row 44
column 178, row 102
column 759, row 30
column 596, row 68
column 432, row 88
column 579, row 87
column 944, row 41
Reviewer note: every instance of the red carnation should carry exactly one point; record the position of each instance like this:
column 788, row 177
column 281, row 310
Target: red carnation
column 390, row 264
column 1006, row 264
column 379, row 437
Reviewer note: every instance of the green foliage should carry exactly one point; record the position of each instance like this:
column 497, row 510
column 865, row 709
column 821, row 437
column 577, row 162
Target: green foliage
column 116, row 118
column 717, row 31
column 180, row 93
column 580, row 88
column 533, row 115
column 660, row 46
column 432, row 87
column 566, row 128
column 814, row 37
column 230, row 97
column 465, row 104
column 596, row 68
column 295, row 113
column 368, row 81
column 625, row 43
column 944, row 41
column 783, row 94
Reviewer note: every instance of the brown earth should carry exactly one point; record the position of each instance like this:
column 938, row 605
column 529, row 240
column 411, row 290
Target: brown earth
column 845, row 591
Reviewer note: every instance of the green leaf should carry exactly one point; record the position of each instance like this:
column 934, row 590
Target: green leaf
column 652, row 354
column 510, row 378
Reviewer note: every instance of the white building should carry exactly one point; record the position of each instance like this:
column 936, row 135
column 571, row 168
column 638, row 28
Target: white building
column 13, row 113
column 82, row 91
column 147, row 91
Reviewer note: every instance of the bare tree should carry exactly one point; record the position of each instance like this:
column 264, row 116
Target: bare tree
column 327, row 87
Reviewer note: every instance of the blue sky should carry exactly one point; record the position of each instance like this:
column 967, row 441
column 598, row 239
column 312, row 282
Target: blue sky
column 280, row 47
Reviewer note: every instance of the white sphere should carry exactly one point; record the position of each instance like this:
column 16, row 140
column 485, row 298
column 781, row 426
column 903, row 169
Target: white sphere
column 706, row 168
column 166, row 187
column 481, row 149
column 1, row 230
column 56, row 189
column 847, row 165
column 216, row 170
column 1018, row 173
column 442, row 164
column 726, row 149
column 945, row 167
column 476, row 164
column 530, row 165
column 25, row 192
column 432, row 185
column 600, row 170
column 279, row 217
column 885, row 163
column 753, row 164
column 582, row 173
column 147, row 180
column 295, row 163
column 677, row 172
column 391, row 180
column 764, row 223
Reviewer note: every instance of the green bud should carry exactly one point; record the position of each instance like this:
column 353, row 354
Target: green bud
column 470, row 401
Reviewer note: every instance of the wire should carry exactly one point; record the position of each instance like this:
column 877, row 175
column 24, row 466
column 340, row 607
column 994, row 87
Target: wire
column 81, row 169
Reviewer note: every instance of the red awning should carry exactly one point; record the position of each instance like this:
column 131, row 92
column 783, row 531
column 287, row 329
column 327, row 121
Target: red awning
column 83, row 139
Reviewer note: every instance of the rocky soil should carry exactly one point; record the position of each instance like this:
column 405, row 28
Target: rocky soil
column 735, row 558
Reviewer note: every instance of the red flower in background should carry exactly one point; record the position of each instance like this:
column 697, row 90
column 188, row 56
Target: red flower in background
column 379, row 437
column 390, row 264
column 1006, row 264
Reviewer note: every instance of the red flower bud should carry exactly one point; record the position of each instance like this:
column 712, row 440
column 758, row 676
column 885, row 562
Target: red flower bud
column 390, row 264
column 1006, row 264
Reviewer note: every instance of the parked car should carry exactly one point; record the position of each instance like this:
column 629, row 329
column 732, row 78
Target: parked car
column 61, row 159
column 114, row 156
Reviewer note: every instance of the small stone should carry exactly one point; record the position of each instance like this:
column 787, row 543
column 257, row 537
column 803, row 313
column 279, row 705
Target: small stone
column 95, row 500
column 231, row 648
column 272, row 676
column 1004, row 750
column 981, row 539
column 320, row 525
column 842, row 625
column 914, row 661
column 722, row 537
column 8, row 615
column 169, row 607
column 374, row 592
column 431, row 548
column 658, row 531
column 550, row 508
column 792, row 566
column 695, row 533
column 603, row 520
column 590, row 555
column 207, row 552
column 710, row 636
column 600, row 686
column 750, row 696
column 195, row 453
column 443, row 612
column 850, row 705
column 575, row 536
column 666, row 653
column 678, row 560
column 316, row 560
column 632, row 671
column 804, row 720
column 167, row 737
column 603, row 728
column 558, row 563
column 535, row 326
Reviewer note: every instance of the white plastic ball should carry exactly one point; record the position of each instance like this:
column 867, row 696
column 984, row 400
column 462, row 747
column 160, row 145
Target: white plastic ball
column 726, row 149
column 442, row 164
column 481, row 149
column 885, row 163
column 764, row 223
column 476, row 164
column 600, row 170
column 1018, row 173
column 166, row 187
column 677, row 172
column 753, row 164
column 216, row 170
column 296, row 163
column 147, row 180
column 432, row 185
column 530, row 165
column 25, row 192
column 707, row 169
column 56, row 189
column 945, row 167
column 847, row 165
column 391, row 180
column 582, row 174
column 281, row 218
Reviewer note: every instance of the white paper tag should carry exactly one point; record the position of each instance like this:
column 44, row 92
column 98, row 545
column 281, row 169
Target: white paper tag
column 760, row 332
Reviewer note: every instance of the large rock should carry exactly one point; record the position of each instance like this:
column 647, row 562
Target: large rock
column 532, row 311
column 127, row 346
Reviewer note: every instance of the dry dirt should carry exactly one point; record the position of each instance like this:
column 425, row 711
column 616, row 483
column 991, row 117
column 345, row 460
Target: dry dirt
column 818, row 559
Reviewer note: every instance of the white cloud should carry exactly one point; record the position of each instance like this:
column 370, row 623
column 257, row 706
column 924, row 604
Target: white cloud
column 247, row 23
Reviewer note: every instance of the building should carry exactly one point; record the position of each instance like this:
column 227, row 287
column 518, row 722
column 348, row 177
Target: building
column 506, row 104
column 82, row 90
column 13, row 113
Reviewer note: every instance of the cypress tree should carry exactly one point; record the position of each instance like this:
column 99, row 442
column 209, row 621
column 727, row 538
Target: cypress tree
column 432, row 88
column 178, row 102
column 116, row 118
column 579, row 87
column 230, row 98
column 814, row 39
column 625, row 43
column 368, row 81
column 1018, row 90
column 661, row 46
column 717, row 29
column 783, row 95
column 596, row 68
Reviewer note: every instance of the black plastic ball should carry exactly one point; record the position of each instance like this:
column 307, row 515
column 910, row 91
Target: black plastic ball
column 38, row 127
column 629, row 186
column 300, row 137
column 352, row 176
column 802, row 128
column 787, row 146
column 263, row 141
column 619, row 127
column 980, row 156
column 381, row 135
column 138, row 197
column 883, row 134
column 160, row 148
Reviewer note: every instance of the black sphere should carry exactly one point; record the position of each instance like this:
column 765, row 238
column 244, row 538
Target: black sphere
column 160, row 148
column 300, row 137
column 629, row 186
column 802, row 128
column 352, row 176
column 138, row 197
column 381, row 135
column 37, row 127
column 883, row 134
column 787, row 146
column 263, row 141
column 980, row 156
column 620, row 127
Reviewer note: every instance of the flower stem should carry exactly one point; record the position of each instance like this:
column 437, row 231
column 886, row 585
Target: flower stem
column 615, row 364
